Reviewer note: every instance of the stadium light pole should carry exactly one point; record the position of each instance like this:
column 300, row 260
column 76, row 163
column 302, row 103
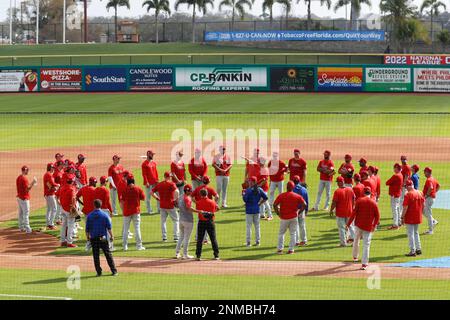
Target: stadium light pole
column 37, row 21
column 10, row 22
column 64, row 21
column 85, row 22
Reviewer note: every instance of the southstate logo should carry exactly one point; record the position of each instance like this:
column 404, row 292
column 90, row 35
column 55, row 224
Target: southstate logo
column 88, row 79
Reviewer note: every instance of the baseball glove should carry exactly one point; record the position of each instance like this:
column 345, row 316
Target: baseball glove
column 180, row 184
column 74, row 212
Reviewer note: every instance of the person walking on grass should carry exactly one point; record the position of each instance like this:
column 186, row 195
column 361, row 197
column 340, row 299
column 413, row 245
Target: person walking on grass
column 253, row 198
column 413, row 205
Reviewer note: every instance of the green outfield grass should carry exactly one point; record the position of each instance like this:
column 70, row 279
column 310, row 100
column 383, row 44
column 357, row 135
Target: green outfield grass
column 387, row 246
column 140, row 286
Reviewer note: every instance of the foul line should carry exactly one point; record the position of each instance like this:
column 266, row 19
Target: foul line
column 36, row 297
column 215, row 112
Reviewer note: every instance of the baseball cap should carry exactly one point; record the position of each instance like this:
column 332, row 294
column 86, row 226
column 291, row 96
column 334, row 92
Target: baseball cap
column 409, row 183
column 397, row 166
column 428, row 169
column 363, row 160
column 253, row 179
column 367, row 190
column 150, row 152
column 371, row 168
column 357, row 177
column 187, row 188
column 115, row 157
column 327, row 151
column 290, row 186
column 69, row 180
column 403, row 158
column 415, row 167
column 92, row 180
column 81, row 156
column 59, row 155
column 166, row 174
column 296, row 179
column 126, row 173
column 50, row 166
column 59, row 163
column 340, row 179
column 297, row 150
column 24, row 168
column 364, row 173
column 348, row 156
column 205, row 179
column 103, row 179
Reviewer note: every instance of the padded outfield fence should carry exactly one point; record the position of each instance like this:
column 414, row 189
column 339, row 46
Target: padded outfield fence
column 273, row 78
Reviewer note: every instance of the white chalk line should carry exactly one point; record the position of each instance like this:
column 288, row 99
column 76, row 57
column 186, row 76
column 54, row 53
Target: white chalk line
column 32, row 296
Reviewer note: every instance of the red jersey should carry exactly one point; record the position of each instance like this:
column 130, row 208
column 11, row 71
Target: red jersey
column 179, row 170
column 22, row 187
column 277, row 168
column 263, row 179
column 165, row 191
column 254, row 170
column 363, row 169
column 49, row 180
column 211, row 192
column 57, row 175
column 395, row 184
column 115, row 172
column 406, row 172
column 415, row 201
column 290, row 203
column 132, row 197
column 83, row 173
column 223, row 162
column 88, row 195
column 328, row 164
column 149, row 172
column 297, row 167
column 208, row 205
column 358, row 190
column 197, row 168
column 350, row 168
column 102, row 193
column 121, row 185
column 344, row 197
column 366, row 214
column 373, row 186
column 431, row 184
column 66, row 197
column 378, row 182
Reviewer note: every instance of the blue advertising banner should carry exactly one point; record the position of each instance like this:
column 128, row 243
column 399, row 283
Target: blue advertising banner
column 374, row 35
column 105, row 79
column 151, row 78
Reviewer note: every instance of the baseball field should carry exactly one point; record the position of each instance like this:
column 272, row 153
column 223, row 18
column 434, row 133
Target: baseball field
column 378, row 127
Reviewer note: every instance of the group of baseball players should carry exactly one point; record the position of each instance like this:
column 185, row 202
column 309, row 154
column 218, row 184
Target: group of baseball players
column 67, row 189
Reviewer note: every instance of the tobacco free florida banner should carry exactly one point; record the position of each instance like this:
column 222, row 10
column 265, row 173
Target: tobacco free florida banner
column 339, row 79
column 105, row 79
column 431, row 80
column 388, row 79
column 221, row 78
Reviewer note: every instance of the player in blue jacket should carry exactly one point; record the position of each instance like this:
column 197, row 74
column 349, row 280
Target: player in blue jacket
column 415, row 176
column 253, row 197
column 301, row 230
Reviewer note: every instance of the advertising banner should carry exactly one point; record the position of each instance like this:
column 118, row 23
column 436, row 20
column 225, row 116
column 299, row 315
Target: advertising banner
column 221, row 78
column 431, row 80
column 292, row 79
column 414, row 59
column 388, row 79
column 105, row 79
column 18, row 80
column 301, row 35
column 339, row 79
column 61, row 79
column 151, row 78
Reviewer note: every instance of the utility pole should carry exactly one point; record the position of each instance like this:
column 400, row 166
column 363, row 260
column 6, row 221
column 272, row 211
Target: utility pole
column 10, row 22
column 85, row 22
column 37, row 21
column 64, row 21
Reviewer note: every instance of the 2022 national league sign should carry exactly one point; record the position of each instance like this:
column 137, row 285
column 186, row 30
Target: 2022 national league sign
column 431, row 80
column 292, row 78
column 18, row 80
column 105, row 79
column 340, row 79
column 388, row 79
column 221, row 78
column 146, row 78
column 61, row 79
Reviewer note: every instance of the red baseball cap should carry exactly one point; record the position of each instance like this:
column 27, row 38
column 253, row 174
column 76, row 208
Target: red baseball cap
column 187, row 188
column 371, row 168
column 166, row 174
column 50, row 166
column 428, row 169
column 59, row 155
column 348, row 156
column 367, row 189
column 364, row 173
column 357, row 177
column 69, row 180
column 205, row 180
column 103, row 179
column 296, row 179
column 150, row 152
column 409, row 183
column 397, row 166
column 59, row 163
column 81, row 156
column 130, row 176
column 290, row 186
column 253, row 179
column 297, row 150
column 327, row 151
column 92, row 180
column 415, row 167
column 126, row 173
column 115, row 157
column 340, row 179
column 362, row 160
column 403, row 158
column 25, row 168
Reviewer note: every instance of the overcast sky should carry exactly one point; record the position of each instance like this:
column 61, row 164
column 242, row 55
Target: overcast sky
column 97, row 8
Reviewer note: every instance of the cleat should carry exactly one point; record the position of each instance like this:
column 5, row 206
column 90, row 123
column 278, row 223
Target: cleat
column 364, row 267
column 290, row 252
column 64, row 244
column 269, row 218
column 71, row 245
column 355, row 260
column 188, row 257
column 303, row 243
column 393, row 228
column 280, row 251
column 411, row 254
column 418, row 252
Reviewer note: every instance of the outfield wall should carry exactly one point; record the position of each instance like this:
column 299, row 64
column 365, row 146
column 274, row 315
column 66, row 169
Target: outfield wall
column 272, row 78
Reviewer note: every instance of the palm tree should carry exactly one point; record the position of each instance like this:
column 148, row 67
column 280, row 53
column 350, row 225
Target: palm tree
column 410, row 31
column 236, row 5
column 115, row 4
column 200, row 4
column 268, row 4
column 287, row 6
column 396, row 12
column 434, row 6
column 355, row 9
column 158, row 5
column 308, row 4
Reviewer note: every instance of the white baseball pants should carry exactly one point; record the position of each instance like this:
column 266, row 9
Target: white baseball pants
column 366, row 237
column 174, row 216
column 292, row 225
column 428, row 213
column 323, row 185
column 300, row 234
column 67, row 227
column 185, row 235
column 51, row 210
column 265, row 208
column 396, row 211
column 196, row 184
column 222, row 187
column 113, row 196
column 253, row 219
column 341, row 224
column 148, row 199
column 273, row 187
column 136, row 218
column 24, row 215
column 413, row 237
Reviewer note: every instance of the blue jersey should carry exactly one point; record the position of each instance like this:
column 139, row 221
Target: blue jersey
column 415, row 180
column 98, row 223
column 299, row 189
column 252, row 199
